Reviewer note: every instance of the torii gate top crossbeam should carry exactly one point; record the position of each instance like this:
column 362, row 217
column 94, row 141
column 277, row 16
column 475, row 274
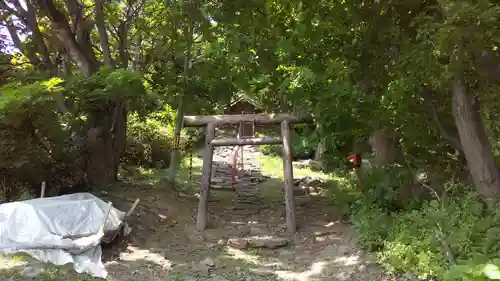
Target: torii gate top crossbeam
column 199, row 121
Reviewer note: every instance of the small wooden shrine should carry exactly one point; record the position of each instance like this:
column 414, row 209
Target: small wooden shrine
column 240, row 106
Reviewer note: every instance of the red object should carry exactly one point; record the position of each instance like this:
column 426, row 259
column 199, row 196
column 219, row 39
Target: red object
column 355, row 159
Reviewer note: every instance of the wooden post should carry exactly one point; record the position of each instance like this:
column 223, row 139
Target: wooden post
column 242, row 163
column 42, row 192
column 240, row 147
column 175, row 156
column 201, row 220
column 288, row 174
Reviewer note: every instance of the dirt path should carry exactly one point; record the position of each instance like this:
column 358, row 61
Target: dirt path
column 165, row 246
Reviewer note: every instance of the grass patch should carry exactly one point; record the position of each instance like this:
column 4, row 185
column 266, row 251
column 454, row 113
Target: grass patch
column 12, row 267
column 189, row 174
column 272, row 189
column 273, row 167
column 141, row 176
column 189, row 178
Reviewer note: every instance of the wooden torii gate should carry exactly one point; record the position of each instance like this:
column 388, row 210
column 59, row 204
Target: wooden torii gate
column 210, row 142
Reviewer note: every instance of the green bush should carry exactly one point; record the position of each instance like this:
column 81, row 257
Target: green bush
column 35, row 141
column 454, row 237
column 150, row 139
column 303, row 146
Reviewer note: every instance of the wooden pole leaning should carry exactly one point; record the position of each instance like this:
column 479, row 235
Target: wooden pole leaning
column 288, row 176
column 201, row 220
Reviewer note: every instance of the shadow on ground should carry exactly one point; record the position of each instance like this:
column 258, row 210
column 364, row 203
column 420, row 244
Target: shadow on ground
column 164, row 244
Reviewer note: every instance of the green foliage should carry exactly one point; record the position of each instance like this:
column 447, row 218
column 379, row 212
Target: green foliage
column 304, row 144
column 150, row 139
column 110, row 85
column 453, row 237
column 33, row 141
column 355, row 66
column 40, row 143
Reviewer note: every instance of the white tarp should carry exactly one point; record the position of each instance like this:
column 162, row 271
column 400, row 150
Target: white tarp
column 38, row 227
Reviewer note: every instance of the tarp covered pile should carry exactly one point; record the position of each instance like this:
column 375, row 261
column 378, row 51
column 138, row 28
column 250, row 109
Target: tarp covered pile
column 59, row 230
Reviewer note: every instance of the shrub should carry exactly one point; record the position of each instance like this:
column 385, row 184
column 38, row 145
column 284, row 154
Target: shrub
column 35, row 141
column 303, row 146
column 454, row 237
column 150, row 139
column 43, row 125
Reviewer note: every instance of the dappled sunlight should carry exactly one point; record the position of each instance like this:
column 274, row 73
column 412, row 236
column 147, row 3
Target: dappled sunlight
column 135, row 254
column 242, row 256
column 273, row 166
column 12, row 261
column 348, row 261
column 140, row 175
column 315, row 270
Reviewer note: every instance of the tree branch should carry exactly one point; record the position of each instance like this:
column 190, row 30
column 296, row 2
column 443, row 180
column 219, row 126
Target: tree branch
column 63, row 31
column 3, row 6
column 103, row 35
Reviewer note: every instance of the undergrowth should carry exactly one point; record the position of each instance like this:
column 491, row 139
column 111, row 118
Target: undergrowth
column 450, row 236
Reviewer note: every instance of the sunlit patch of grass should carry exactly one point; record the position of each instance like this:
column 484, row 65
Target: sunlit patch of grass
column 12, row 267
column 140, row 175
column 189, row 174
column 273, row 166
column 336, row 186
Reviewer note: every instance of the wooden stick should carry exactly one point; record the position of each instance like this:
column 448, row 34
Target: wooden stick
column 288, row 174
column 201, row 220
column 136, row 202
column 42, row 193
column 110, row 205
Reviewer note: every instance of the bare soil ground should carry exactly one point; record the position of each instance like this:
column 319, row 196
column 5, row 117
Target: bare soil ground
column 164, row 244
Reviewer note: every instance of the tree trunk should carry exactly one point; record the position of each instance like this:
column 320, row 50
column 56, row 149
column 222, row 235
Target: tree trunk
column 320, row 149
column 388, row 151
column 33, row 59
column 477, row 151
column 123, row 43
column 105, row 140
column 386, row 148
column 105, row 144
column 175, row 156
